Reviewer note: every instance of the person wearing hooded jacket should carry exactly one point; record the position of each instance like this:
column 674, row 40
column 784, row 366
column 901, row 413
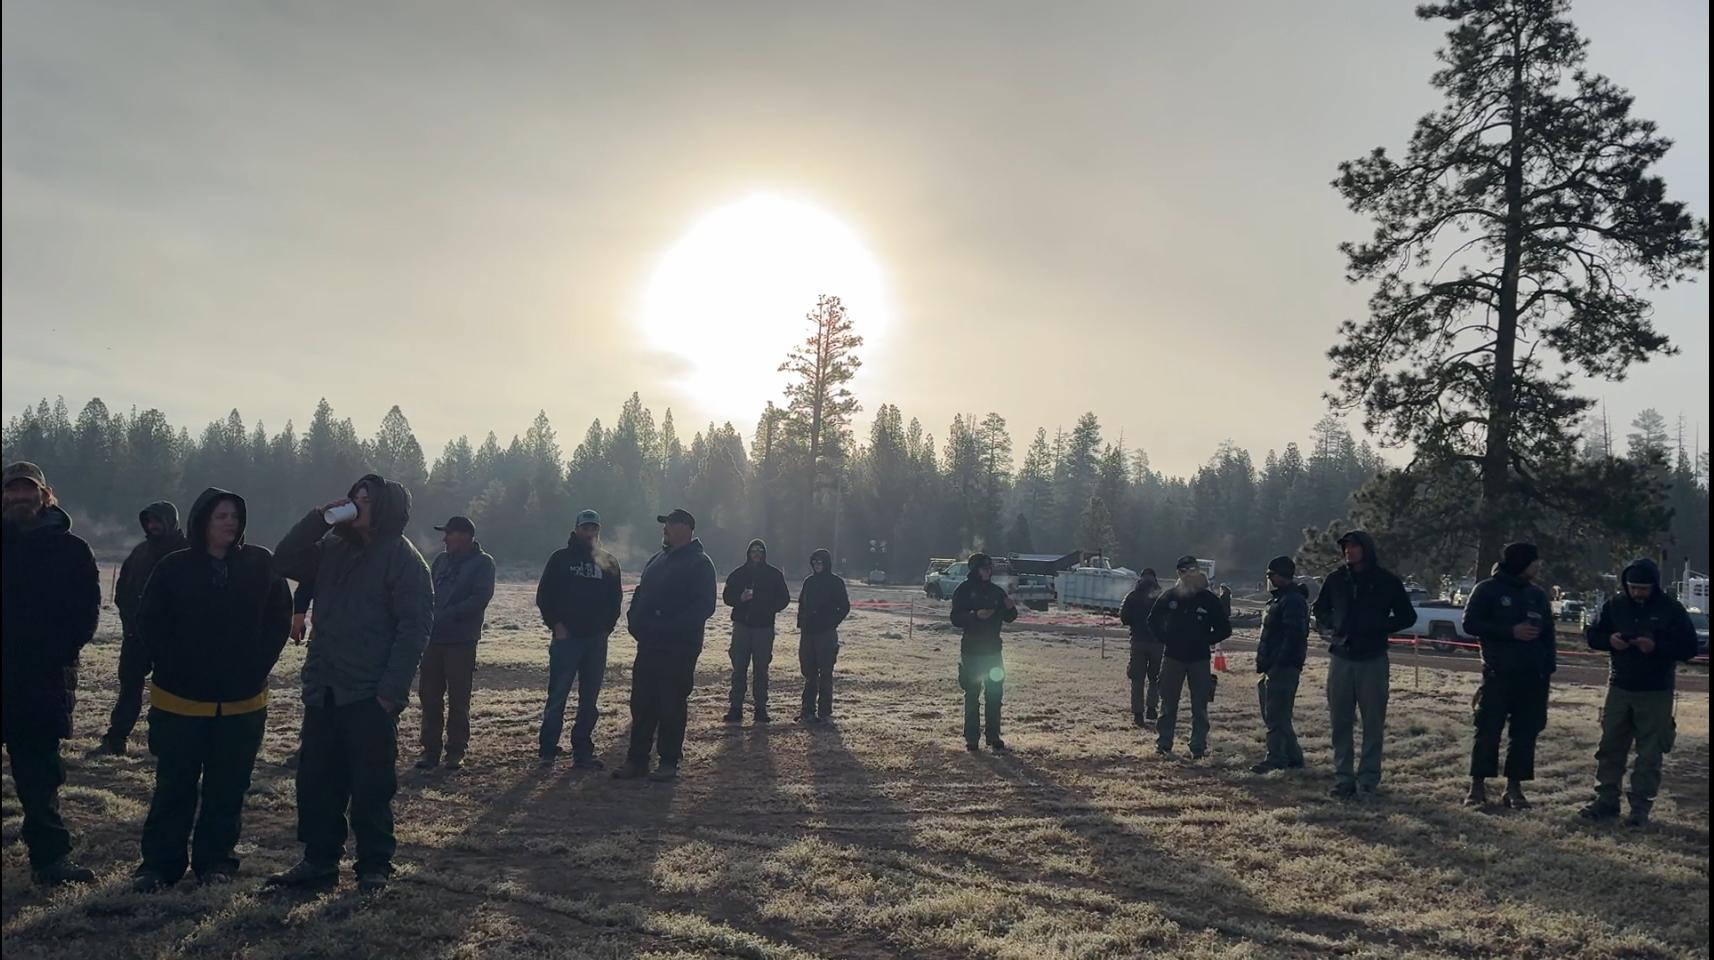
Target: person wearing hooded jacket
column 669, row 612
column 161, row 536
column 1189, row 619
column 579, row 596
column 214, row 619
column 1281, row 650
column 1144, row 668
column 1646, row 634
column 1513, row 620
column 1360, row 607
column 52, row 603
column 463, row 576
column 822, row 605
column 756, row 592
column 374, row 611
column 980, row 607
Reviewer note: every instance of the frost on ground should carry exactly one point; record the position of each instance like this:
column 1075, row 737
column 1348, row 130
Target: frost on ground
column 880, row 837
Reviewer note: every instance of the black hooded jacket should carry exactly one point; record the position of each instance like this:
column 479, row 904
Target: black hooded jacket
column 374, row 600
column 1134, row 612
column 973, row 596
column 1500, row 603
column 51, row 603
column 134, row 572
column 581, row 588
column 1660, row 617
column 1284, row 641
column 1191, row 625
column 769, row 583
column 822, row 602
column 673, row 600
column 1359, row 611
column 214, row 627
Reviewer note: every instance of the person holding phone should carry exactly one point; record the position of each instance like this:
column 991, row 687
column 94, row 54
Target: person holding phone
column 1513, row 619
column 374, row 603
column 756, row 592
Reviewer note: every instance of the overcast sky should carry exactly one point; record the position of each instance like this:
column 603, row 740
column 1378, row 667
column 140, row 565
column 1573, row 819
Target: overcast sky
column 1119, row 207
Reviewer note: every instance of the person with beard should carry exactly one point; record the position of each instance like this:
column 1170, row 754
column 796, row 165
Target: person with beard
column 161, row 536
column 214, row 619
column 756, row 592
column 1513, row 620
column 1144, row 669
column 669, row 611
column 374, row 611
column 1281, row 651
column 1189, row 620
column 979, row 608
column 822, row 605
column 1360, row 607
column 52, row 603
column 463, row 576
column 1646, row 634
column 579, row 596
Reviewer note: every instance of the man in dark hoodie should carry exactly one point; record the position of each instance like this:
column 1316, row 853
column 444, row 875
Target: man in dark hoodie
column 52, row 602
column 161, row 536
column 1144, row 669
column 1360, row 607
column 979, row 608
column 463, row 578
column 1646, row 634
column 1189, row 620
column 1280, row 653
column 579, row 596
column 822, row 605
column 214, row 618
column 669, row 610
column 374, row 611
column 1513, row 619
column 756, row 592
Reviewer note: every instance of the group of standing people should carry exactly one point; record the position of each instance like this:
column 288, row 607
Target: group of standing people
column 205, row 617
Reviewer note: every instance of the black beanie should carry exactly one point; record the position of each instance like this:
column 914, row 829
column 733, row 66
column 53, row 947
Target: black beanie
column 1284, row 566
column 1517, row 557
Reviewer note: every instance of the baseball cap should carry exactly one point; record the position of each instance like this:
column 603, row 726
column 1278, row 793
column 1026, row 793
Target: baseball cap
column 1187, row 562
column 1284, row 566
column 678, row 515
column 458, row 525
column 585, row 517
column 25, row 470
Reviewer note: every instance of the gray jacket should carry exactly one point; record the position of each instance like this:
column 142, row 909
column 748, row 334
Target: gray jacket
column 374, row 602
column 463, row 585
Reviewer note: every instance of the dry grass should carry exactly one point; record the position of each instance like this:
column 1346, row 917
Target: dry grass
column 880, row 837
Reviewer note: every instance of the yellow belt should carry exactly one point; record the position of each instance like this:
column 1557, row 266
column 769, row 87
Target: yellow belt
column 173, row 703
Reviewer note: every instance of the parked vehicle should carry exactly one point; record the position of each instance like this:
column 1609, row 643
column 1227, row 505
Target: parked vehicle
column 1569, row 611
column 1700, row 621
column 948, row 580
column 930, row 580
column 1441, row 622
column 1095, row 585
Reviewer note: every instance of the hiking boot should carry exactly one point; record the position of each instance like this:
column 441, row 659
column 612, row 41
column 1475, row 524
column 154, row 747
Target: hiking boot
column 1478, row 795
column 1151, row 715
column 1369, row 789
column 808, row 718
column 306, row 876
column 109, row 746
column 1343, row 791
column 587, row 763
column 631, row 771
column 1163, row 751
column 997, row 745
column 454, row 761
column 973, row 747
column 372, row 883
column 1597, row 811
column 1198, row 754
column 1514, row 798
column 762, row 715
column 215, row 878
column 1638, row 818
column 665, row 773
column 1267, row 766
column 149, row 881
column 426, row 762
column 546, row 757
column 61, row 872
column 733, row 715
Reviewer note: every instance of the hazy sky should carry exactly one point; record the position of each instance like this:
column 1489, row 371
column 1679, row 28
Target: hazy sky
column 1119, row 207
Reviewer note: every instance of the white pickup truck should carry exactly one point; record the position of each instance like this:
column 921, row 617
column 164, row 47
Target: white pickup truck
column 1441, row 622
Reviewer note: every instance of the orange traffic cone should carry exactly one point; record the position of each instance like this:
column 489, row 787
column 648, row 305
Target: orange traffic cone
column 1219, row 660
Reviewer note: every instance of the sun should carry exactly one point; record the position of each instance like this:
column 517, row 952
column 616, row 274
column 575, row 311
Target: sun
column 729, row 297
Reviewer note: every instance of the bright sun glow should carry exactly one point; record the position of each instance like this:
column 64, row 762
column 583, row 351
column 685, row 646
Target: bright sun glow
column 730, row 296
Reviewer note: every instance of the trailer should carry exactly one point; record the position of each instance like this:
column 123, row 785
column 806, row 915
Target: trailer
column 1095, row 585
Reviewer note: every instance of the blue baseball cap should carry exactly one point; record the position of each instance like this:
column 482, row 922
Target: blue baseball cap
column 586, row 517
